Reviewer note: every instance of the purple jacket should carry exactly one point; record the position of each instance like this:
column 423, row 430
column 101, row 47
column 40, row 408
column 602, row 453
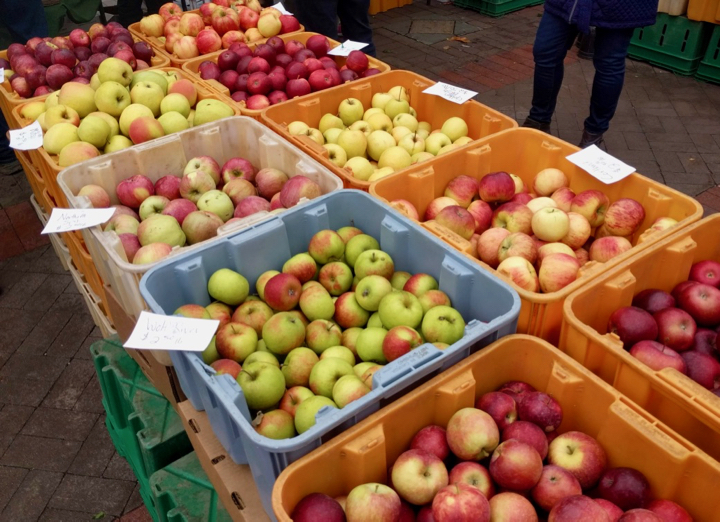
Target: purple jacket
column 612, row 14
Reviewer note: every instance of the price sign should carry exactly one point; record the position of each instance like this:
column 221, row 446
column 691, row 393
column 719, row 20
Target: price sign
column 282, row 9
column 2, row 75
column 163, row 332
column 67, row 219
column 27, row 138
column 601, row 165
column 345, row 48
column 450, row 92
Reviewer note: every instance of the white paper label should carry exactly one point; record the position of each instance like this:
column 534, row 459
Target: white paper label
column 281, row 8
column 601, row 165
column 67, row 219
column 2, row 75
column 345, row 48
column 165, row 332
column 450, row 92
column 27, row 138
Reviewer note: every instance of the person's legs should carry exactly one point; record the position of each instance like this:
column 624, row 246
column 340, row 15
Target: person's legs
column 355, row 22
column 319, row 16
column 129, row 11
column 553, row 39
column 611, row 46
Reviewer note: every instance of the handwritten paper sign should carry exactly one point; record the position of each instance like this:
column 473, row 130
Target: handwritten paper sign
column 163, row 332
column 282, row 9
column 450, row 92
column 601, row 165
column 67, row 219
column 27, row 138
column 345, row 48
column 2, row 75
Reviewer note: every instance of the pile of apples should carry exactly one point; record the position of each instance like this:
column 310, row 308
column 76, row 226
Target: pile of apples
column 177, row 210
column 679, row 329
column 537, row 236
column 117, row 109
column 216, row 26
column 387, row 137
column 43, row 65
column 316, row 333
column 501, row 460
column 276, row 71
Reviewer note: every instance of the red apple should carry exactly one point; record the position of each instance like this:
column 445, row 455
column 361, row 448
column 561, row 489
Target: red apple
column 706, row 272
column 516, row 389
column 669, row 511
column 509, row 506
column 639, row 515
column 432, row 440
column 611, row 509
column 676, row 328
column 658, row 356
column 475, row 475
column 282, row 291
column 317, row 506
column 226, row 366
column 653, row 300
column 460, row 502
column 318, row 44
column 627, row 488
column 580, row 454
column 321, row 79
column 418, row 476
column 555, row 484
column 357, row 61
column 541, row 409
column 227, row 60
column 242, row 66
column 528, row 433
column 576, row 508
column 515, row 465
column 702, row 302
column 705, row 342
column 500, row 406
column 680, row 287
column 258, row 102
column 299, row 87
column 703, row 369
column 632, row 325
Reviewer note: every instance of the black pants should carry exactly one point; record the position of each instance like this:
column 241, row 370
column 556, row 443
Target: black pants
column 320, row 16
column 130, row 11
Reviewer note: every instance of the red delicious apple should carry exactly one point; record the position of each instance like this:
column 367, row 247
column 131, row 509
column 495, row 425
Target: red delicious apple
column 318, row 44
column 142, row 51
column 653, row 300
column 227, row 60
column 705, row 342
column 627, row 488
column 303, row 54
column 639, row 515
column 317, row 506
column 320, row 80
column 277, row 44
column 432, row 440
column 357, row 61
column 555, row 484
column 257, row 64
column 209, row 70
column 84, row 70
column 580, row 454
column 278, row 80
column 515, row 465
column 266, row 52
column 680, row 287
column 372, row 71
column 658, row 356
column 242, row 66
column 500, row 406
column 293, row 46
column 703, row 369
column 258, row 102
column 475, row 475
column 632, row 324
column 299, row 87
column 241, row 82
column 669, row 511
column 541, row 409
column 676, row 328
column 283, row 60
column 516, row 389
column 96, row 59
column 228, row 78
column 259, row 83
column 296, row 71
column 313, row 64
column 611, row 509
column 706, row 272
column 35, row 76
column 82, row 53
column 288, row 24
column 347, row 75
column 240, row 96
column 460, row 502
column 100, row 45
column 576, row 508
column 702, row 302
column 528, row 433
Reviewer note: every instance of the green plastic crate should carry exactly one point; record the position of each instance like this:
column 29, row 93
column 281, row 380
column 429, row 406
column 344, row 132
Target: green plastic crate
column 183, row 493
column 709, row 68
column 674, row 43
column 496, row 7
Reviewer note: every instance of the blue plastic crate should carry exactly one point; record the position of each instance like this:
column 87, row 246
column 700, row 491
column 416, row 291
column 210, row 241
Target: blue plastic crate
column 490, row 308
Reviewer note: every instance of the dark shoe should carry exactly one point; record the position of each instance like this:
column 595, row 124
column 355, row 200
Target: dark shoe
column 588, row 138
column 532, row 124
column 10, row 169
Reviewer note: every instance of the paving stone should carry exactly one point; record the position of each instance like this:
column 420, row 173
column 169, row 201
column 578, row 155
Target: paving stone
column 72, row 336
column 10, row 480
column 34, row 367
column 13, row 418
column 95, row 453
column 47, row 263
column 140, row 514
column 44, row 297
column 44, row 333
column 32, row 495
column 20, row 390
column 15, row 325
column 63, row 515
column 24, row 261
column 40, row 453
column 91, row 398
column 118, row 468
column 21, row 292
column 92, row 495
column 70, row 302
column 69, row 387
column 135, row 501
column 60, row 424
column 84, row 350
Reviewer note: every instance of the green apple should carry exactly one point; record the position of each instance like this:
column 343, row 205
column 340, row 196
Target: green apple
column 374, row 110
column 262, row 357
column 78, row 96
column 116, row 143
column 336, row 277
column 381, row 173
column 173, row 122
column 298, row 128
column 283, row 332
column 316, row 303
column 217, row 202
column 152, row 205
column 443, row 324
column 112, row 122
column 61, row 114
column 336, row 154
column 421, row 156
column 332, row 135
column 380, row 100
column 263, row 385
column 112, row 98
column 236, row 341
column 347, row 389
column 413, row 144
column 372, row 262
column 95, row 82
column 325, row 374
column 464, row 140
column 275, row 424
column 326, row 246
column 395, row 107
column 52, row 99
column 262, row 281
column 227, row 286
column 308, row 409
column 362, row 126
column 378, row 142
column 115, row 70
column 171, row 77
column 339, row 352
column 211, row 110
column 435, row 142
column 399, row 279
column 357, row 245
column 94, row 130
column 399, row 93
column 367, row 377
column 131, row 113
column 395, row 157
column 359, row 167
column 159, row 228
column 349, row 338
column 401, row 309
column 76, row 152
column 374, row 322
column 369, row 345
column 454, row 128
column 150, row 76
column 32, row 110
column 360, row 368
column 321, row 334
column 447, row 148
column 353, row 142
column 380, row 121
column 330, row 121
column 350, row 111
column 175, row 102
column 297, row 366
column 370, row 291
column 405, row 120
column 398, row 133
column 58, row 136
column 150, row 95
column 210, row 354
column 425, row 126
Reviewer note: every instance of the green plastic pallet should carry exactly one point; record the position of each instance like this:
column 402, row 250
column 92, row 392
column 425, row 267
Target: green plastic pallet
column 674, row 43
column 183, row 493
column 496, row 7
column 709, row 68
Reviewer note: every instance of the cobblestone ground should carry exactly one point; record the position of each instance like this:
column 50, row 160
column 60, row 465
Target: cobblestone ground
column 56, row 459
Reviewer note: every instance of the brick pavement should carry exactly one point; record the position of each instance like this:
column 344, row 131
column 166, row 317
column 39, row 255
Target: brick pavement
column 56, row 459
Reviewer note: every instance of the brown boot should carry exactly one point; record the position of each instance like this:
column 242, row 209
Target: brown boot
column 588, row 138
column 532, row 124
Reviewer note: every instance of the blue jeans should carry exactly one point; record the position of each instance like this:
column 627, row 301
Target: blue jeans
column 554, row 37
column 24, row 20
column 320, row 16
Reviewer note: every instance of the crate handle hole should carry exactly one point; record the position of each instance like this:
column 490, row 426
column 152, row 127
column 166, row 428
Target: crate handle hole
column 238, row 501
column 218, row 459
column 194, row 426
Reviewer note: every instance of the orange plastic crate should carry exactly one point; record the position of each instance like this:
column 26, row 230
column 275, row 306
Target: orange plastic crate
column 672, row 397
column 704, row 11
column 9, row 99
column 675, row 468
column 34, row 180
column 380, row 6
column 482, row 121
column 525, row 152
column 48, row 164
column 191, row 67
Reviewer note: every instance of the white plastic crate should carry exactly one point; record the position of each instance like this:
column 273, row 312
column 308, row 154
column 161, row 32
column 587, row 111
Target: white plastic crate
column 61, row 250
column 673, row 7
column 93, row 303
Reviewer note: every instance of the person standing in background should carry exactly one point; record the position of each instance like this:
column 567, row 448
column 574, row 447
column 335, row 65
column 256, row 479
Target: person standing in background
column 23, row 20
column 130, row 11
column 615, row 21
column 321, row 16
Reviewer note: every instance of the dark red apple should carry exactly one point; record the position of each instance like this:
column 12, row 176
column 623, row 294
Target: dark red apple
column 296, row 88
column 317, row 506
column 372, row 71
column 58, row 75
column 228, row 79
column 676, row 328
column 704, row 342
column 653, row 300
column 658, row 356
column 357, row 61
column 318, row 44
column 680, row 287
column 425, row 514
column 241, row 82
column 433, row 440
column 209, row 70
column 293, row 46
column 35, row 77
column 669, row 511
column 348, row 76
column 320, row 80
column 303, row 54
column 528, row 433
column 143, row 51
column 116, row 47
column 279, row 80
column 84, row 70
column 239, row 96
column 329, row 63
column 283, row 60
column 639, row 515
column 296, row 71
column 516, row 389
column 82, row 53
column 4, row 64
column 702, row 302
column 15, row 49
column 63, row 57
column 277, row 44
column 259, row 83
column 277, row 97
column 258, row 64
column 627, row 488
column 706, row 272
column 500, row 406
column 100, row 45
column 632, row 324
column 96, row 59
column 240, row 49
column 242, row 66
column 266, row 52
column 703, row 369
column 313, row 64
column 227, row 60
column 335, row 76
column 541, row 409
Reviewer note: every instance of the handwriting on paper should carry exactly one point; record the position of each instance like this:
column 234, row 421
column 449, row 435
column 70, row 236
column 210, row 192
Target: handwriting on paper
column 450, row 92
column 163, row 332
column 601, row 165
column 27, row 138
column 68, row 219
